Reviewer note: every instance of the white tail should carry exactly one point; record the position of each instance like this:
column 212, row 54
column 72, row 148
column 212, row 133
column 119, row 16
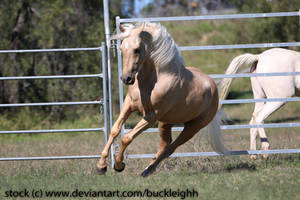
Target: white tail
column 214, row 135
column 236, row 63
column 214, row 130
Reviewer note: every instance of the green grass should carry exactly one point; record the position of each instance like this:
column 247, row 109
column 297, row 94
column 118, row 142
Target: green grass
column 216, row 178
column 235, row 177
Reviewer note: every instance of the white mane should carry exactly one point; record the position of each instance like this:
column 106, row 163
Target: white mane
column 163, row 50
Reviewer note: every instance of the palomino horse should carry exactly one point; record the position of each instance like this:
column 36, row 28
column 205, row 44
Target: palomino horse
column 272, row 60
column 163, row 90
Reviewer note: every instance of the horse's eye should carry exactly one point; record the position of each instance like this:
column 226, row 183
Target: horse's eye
column 137, row 51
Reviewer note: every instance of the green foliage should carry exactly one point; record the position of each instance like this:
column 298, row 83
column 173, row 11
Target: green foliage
column 274, row 29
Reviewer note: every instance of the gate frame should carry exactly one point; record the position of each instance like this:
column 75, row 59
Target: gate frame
column 218, row 47
column 102, row 102
column 106, row 101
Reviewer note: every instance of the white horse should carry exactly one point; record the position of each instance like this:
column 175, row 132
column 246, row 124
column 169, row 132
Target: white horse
column 272, row 60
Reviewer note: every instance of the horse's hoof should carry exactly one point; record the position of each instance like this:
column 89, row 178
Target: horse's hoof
column 265, row 156
column 101, row 171
column 145, row 173
column 121, row 169
column 253, row 157
column 148, row 171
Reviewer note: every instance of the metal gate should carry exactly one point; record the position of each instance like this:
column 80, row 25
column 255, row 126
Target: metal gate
column 215, row 76
column 103, row 102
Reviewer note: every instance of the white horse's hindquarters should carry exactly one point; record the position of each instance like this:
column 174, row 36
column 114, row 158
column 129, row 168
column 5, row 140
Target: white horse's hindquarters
column 277, row 60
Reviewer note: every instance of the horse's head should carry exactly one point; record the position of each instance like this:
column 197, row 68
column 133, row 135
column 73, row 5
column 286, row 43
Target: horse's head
column 134, row 51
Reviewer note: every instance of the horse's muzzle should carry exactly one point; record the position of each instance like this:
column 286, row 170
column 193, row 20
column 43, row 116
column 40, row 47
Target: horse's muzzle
column 128, row 80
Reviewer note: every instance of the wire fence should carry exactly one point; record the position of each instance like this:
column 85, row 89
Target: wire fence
column 219, row 76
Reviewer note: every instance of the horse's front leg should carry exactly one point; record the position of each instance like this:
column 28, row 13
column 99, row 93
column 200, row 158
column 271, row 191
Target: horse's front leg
column 144, row 124
column 124, row 114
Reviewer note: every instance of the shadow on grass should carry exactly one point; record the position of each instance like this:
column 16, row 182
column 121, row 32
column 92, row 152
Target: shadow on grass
column 241, row 166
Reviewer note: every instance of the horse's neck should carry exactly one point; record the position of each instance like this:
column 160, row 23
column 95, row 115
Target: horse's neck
column 147, row 76
column 151, row 73
column 174, row 68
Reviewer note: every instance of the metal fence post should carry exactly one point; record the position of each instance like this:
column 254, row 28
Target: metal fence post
column 107, row 37
column 121, row 96
column 104, row 88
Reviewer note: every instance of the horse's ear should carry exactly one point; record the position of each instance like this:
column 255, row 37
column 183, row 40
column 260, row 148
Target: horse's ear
column 141, row 28
column 122, row 29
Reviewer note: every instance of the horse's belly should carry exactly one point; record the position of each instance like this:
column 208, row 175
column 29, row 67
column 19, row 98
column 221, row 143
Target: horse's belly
column 186, row 110
column 178, row 115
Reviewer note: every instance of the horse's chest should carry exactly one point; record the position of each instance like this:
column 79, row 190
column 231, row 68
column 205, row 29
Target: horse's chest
column 141, row 100
column 148, row 100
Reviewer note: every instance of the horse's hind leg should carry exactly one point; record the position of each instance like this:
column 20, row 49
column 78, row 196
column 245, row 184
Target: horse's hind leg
column 258, row 93
column 165, row 138
column 190, row 129
column 259, row 118
column 253, row 131
column 124, row 114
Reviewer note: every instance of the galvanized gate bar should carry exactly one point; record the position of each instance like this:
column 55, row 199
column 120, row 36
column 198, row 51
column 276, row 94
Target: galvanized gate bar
column 53, row 103
column 50, row 158
column 206, row 154
column 239, row 46
column 210, row 17
column 238, row 101
column 247, row 75
column 270, row 125
column 135, row 156
column 53, row 131
column 51, row 77
column 232, row 127
column 51, row 50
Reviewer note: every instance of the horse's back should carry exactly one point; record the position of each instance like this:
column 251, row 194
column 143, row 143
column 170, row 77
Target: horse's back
column 278, row 60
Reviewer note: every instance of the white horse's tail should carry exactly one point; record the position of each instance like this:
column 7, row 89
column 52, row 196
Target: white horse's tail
column 214, row 135
column 236, row 63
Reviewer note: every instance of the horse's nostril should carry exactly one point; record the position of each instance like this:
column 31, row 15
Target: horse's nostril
column 128, row 79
